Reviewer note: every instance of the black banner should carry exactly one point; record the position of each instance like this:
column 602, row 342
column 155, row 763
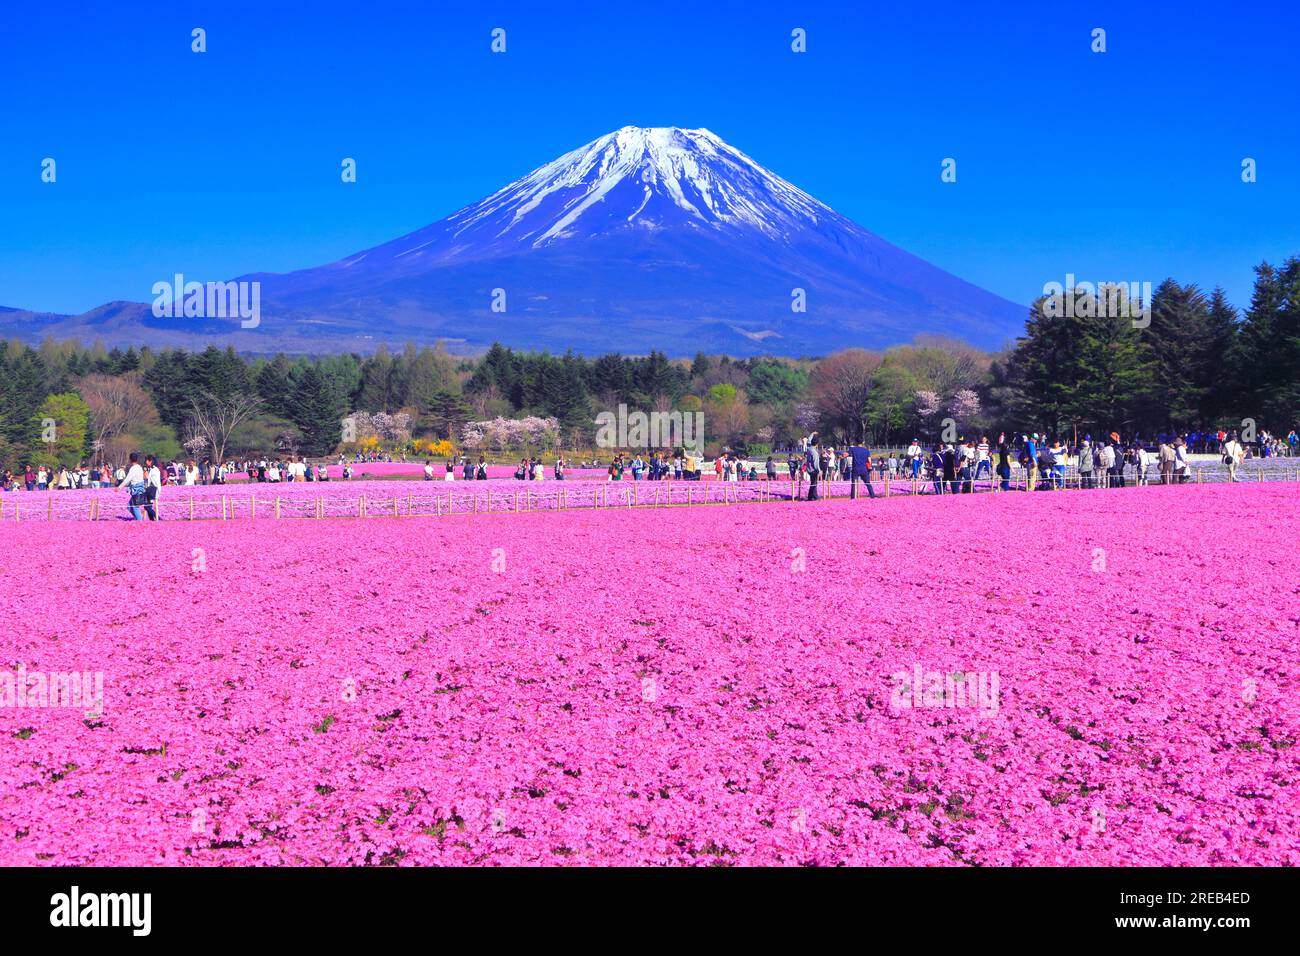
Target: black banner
column 331, row 906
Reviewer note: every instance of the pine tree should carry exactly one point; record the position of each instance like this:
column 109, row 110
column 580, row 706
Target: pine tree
column 25, row 380
column 318, row 413
column 169, row 384
column 1172, row 347
column 1219, row 386
column 377, row 393
column 275, row 386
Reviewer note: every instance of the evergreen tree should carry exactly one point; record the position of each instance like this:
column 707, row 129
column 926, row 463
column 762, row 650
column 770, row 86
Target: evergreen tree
column 1172, row 348
column 318, row 413
column 219, row 372
column 1108, row 377
column 377, row 391
column 170, row 386
column 1219, row 385
column 25, row 380
column 275, row 386
column 447, row 414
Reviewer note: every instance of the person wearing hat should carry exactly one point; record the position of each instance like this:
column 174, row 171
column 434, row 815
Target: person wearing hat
column 914, row 458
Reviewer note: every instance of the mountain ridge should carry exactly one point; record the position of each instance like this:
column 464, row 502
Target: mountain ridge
column 644, row 238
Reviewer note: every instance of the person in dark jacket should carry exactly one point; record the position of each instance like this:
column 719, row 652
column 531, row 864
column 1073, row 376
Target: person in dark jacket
column 1004, row 462
column 860, row 468
column 936, row 468
column 812, row 461
column 950, row 469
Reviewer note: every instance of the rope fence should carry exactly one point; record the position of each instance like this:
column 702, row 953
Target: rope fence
column 258, row 504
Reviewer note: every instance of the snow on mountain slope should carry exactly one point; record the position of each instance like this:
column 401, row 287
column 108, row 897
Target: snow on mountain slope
column 692, row 170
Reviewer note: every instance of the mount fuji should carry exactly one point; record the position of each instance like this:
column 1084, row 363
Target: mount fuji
column 643, row 239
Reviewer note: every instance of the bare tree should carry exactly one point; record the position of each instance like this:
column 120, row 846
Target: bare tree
column 116, row 404
column 215, row 418
column 841, row 385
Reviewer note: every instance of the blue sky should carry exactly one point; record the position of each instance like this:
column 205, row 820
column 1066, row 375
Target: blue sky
column 1122, row 166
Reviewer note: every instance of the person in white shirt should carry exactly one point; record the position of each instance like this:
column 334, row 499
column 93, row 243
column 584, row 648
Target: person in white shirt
column 1107, row 461
column 914, row 458
column 428, row 471
column 191, row 473
column 1180, row 461
column 1234, row 453
column 133, row 479
column 297, row 469
column 1143, row 462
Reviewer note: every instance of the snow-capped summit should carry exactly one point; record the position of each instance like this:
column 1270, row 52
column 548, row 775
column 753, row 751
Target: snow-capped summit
column 643, row 178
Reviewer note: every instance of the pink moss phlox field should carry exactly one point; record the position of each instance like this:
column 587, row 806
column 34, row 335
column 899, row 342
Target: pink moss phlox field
column 687, row 686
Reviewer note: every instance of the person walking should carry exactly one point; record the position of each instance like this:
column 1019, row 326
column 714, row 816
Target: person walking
column 134, row 483
column 860, row 469
column 1234, row 453
column 915, row 458
column 153, row 482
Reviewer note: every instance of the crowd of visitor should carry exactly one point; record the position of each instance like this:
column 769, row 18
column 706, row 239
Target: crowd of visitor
column 1037, row 462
